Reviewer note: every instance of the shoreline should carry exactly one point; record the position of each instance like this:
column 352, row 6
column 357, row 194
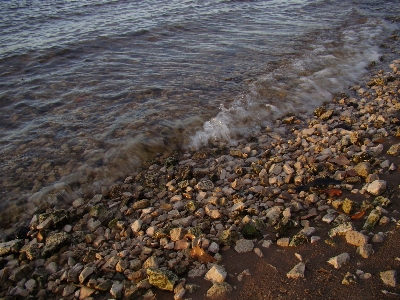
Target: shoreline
column 229, row 200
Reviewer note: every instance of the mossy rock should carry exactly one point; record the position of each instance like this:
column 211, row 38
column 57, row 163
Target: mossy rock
column 228, row 237
column 250, row 231
column 162, row 279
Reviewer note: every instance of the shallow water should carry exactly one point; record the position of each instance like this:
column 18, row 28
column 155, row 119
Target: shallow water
column 88, row 90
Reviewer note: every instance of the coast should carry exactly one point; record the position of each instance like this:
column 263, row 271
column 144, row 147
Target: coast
column 306, row 209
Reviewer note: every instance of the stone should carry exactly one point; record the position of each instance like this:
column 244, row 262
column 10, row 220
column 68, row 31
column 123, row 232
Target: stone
column 267, row 243
column 389, row 277
column 348, row 206
column 372, row 219
column 349, row 279
column 86, row 272
column 376, row 187
column 54, row 242
column 85, row 292
column 213, row 212
column 365, row 250
column 394, row 150
column 10, row 247
column 177, row 234
column 228, row 237
column 213, row 248
column 298, row 239
column 116, row 290
column 297, row 271
column 216, row 274
column 258, row 252
column 243, row 246
column 219, row 290
column 162, row 279
column 20, row 272
column 68, row 290
column 363, row 169
column 338, row 261
column 283, row 242
column 136, row 226
column 198, row 271
column 341, row 229
column 356, row 238
column 377, row 238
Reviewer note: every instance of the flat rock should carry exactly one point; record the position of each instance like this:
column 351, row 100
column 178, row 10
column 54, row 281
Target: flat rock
column 243, row 246
column 389, row 278
column 219, row 290
column 297, row 271
column 356, row 238
column 54, row 242
column 338, row 261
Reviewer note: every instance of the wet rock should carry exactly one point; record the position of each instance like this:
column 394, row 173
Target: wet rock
column 376, row 187
column 356, row 238
column 216, row 274
column 243, row 246
column 162, row 279
column 389, row 277
column 297, row 271
column 338, row 261
column 219, row 290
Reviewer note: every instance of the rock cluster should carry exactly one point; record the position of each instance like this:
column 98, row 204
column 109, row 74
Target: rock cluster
column 174, row 218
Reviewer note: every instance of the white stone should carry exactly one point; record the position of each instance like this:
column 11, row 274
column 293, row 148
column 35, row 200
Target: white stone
column 314, row 239
column 297, row 271
column 216, row 274
column 338, row 261
column 258, row 252
column 328, row 218
column 376, row 187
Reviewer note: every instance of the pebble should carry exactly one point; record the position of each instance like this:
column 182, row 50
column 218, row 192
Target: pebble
column 338, row 261
column 297, row 271
column 243, row 246
column 216, row 274
column 389, row 277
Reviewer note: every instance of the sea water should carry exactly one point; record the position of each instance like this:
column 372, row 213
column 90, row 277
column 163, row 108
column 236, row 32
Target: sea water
column 89, row 89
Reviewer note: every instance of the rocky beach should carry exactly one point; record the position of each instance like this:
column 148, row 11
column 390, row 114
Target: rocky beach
column 305, row 209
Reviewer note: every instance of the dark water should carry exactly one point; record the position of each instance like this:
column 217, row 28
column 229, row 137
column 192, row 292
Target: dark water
column 89, row 88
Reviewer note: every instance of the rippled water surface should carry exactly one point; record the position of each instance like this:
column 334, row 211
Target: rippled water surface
column 88, row 89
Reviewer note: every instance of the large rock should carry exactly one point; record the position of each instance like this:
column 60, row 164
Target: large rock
column 10, row 247
column 54, row 242
column 162, row 279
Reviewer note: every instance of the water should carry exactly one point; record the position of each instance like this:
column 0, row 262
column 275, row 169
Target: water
column 89, row 90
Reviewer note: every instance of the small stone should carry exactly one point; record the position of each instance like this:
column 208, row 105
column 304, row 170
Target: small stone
column 216, row 274
column 136, row 226
column 348, row 206
column 376, row 187
column 363, row 169
column 297, row 271
column 372, row 219
column 219, row 290
column 283, row 242
column 338, row 261
column 365, row 250
column 377, row 238
column 116, row 290
column 177, row 234
column 394, row 150
column 314, row 239
column 389, row 278
column 356, row 238
column 10, row 247
column 162, row 279
column 328, row 218
column 267, row 244
column 86, row 272
column 243, row 246
column 68, row 290
column 198, row 271
column 213, row 248
column 242, row 274
column 349, row 279
column 85, row 292
column 258, row 252
column 341, row 229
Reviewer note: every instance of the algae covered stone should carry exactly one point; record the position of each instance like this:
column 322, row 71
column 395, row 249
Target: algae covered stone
column 162, row 279
column 372, row 219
